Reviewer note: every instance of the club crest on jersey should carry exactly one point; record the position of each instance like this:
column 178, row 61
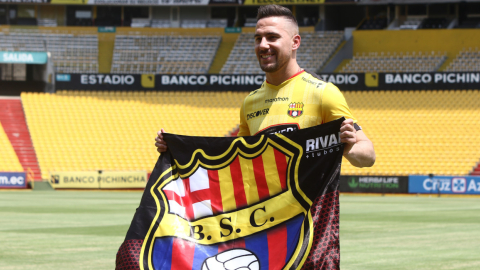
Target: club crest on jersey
column 295, row 109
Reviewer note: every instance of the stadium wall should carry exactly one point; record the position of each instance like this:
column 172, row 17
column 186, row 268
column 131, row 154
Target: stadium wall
column 450, row 41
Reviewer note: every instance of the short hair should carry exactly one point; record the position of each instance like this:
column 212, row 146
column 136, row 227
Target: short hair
column 276, row 11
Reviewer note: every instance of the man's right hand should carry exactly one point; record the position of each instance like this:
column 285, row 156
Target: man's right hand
column 160, row 143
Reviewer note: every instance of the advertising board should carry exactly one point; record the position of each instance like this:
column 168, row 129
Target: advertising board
column 128, row 179
column 250, row 82
column 444, row 184
column 374, row 184
column 13, row 180
column 99, row 179
column 167, row 82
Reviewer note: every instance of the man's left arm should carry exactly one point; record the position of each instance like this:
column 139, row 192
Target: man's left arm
column 358, row 148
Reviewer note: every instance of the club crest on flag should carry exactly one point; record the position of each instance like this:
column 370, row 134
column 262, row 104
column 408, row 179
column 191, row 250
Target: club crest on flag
column 232, row 202
column 295, row 109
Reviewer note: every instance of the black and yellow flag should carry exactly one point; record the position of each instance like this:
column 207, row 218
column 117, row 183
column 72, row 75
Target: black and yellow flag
column 262, row 202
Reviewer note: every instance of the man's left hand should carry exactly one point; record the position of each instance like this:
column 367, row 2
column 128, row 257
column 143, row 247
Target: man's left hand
column 348, row 134
column 358, row 148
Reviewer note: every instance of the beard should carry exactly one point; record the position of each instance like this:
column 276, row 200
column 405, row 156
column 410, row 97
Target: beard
column 273, row 67
column 269, row 67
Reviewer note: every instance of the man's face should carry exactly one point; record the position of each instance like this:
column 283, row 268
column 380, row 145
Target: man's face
column 274, row 42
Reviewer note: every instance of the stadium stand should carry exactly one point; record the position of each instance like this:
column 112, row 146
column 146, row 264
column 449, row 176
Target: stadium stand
column 193, row 24
column 73, row 54
column 374, row 24
column 14, row 125
column 222, row 23
column 393, row 62
column 250, row 22
column 476, row 171
column 159, row 23
column 413, row 136
column 164, row 54
column 108, row 130
column 434, row 23
column 316, row 49
column 469, row 23
column 70, row 53
column 411, row 23
column 466, row 60
column 140, row 22
column 21, row 42
column 47, row 22
column 8, row 159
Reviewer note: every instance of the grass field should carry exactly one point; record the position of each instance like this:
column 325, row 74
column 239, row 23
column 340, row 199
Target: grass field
column 83, row 230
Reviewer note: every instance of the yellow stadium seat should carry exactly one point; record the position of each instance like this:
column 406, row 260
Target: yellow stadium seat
column 418, row 132
column 414, row 132
column 108, row 130
column 8, row 158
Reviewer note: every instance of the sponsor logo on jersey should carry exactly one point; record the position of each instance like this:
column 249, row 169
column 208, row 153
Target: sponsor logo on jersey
column 281, row 128
column 316, row 82
column 257, row 113
column 277, row 99
column 295, row 109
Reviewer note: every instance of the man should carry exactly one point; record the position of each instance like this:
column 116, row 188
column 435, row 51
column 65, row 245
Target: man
column 292, row 98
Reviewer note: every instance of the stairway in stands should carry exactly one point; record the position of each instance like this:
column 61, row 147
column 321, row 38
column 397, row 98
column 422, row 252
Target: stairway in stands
column 476, row 170
column 13, row 121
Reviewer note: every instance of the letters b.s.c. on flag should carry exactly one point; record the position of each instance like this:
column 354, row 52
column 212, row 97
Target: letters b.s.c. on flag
column 260, row 202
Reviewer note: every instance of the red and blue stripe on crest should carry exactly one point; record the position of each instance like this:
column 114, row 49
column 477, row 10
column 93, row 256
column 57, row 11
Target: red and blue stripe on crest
column 273, row 247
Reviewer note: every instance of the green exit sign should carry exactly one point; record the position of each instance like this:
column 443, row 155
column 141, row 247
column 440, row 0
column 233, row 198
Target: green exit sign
column 107, row 29
column 233, row 29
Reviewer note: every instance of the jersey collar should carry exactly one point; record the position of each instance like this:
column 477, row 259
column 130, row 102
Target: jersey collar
column 283, row 83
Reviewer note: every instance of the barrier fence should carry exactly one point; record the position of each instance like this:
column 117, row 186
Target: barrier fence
column 416, row 184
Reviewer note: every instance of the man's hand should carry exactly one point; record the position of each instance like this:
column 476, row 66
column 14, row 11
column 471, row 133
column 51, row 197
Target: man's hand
column 348, row 134
column 358, row 148
column 160, row 143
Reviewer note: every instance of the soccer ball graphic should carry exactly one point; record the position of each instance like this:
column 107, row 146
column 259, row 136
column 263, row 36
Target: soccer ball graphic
column 295, row 113
column 233, row 259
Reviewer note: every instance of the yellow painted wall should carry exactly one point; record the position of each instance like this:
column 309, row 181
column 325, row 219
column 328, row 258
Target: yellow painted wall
column 228, row 42
column 445, row 40
column 106, row 43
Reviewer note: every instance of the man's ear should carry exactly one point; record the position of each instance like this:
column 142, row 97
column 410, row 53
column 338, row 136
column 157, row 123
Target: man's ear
column 296, row 42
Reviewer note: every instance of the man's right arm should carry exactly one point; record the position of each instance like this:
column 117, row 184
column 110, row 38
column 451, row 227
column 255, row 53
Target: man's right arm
column 243, row 129
column 160, row 143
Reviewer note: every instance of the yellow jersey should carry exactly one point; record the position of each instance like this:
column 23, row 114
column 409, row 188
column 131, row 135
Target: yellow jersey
column 302, row 101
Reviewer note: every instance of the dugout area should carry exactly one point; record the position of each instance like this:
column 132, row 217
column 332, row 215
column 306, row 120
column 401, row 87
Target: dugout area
column 26, row 72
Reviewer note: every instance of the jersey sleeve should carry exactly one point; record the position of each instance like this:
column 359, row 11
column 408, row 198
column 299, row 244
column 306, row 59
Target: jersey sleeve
column 334, row 105
column 243, row 128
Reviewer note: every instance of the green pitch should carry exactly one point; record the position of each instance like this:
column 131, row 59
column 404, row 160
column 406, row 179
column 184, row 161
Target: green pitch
column 83, row 230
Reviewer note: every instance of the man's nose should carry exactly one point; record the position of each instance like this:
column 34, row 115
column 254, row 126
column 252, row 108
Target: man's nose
column 263, row 44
